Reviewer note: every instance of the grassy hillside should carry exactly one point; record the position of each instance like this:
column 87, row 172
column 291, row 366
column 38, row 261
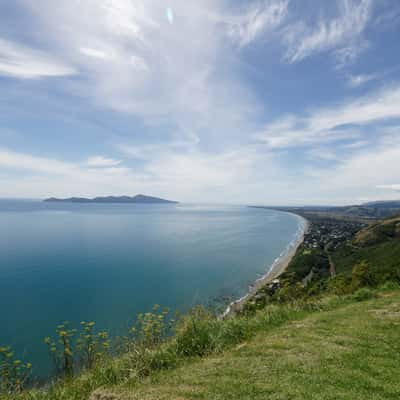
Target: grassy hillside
column 337, row 347
column 378, row 246
column 351, row 352
column 379, row 232
column 368, row 211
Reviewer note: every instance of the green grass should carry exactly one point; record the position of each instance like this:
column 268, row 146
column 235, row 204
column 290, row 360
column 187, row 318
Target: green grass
column 352, row 352
column 383, row 259
column 339, row 347
column 379, row 246
column 198, row 335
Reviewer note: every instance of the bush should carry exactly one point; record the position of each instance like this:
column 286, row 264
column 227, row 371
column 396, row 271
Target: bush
column 290, row 292
column 163, row 358
column 361, row 276
column 61, row 350
column 140, row 361
column 13, row 373
column 389, row 285
column 316, row 287
column 233, row 331
column 69, row 355
column 339, row 285
column 195, row 333
column 151, row 328
column 363, row 294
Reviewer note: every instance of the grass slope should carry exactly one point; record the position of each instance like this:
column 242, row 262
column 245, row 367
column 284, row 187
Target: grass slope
column 351, row 352
column 379, row 246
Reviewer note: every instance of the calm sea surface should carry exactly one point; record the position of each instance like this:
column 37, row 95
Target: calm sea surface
column 108, row 262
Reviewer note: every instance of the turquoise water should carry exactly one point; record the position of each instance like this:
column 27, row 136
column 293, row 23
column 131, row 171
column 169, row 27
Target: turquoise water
column 108, row 262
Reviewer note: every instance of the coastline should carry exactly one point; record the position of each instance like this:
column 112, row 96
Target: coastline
column 278, row 267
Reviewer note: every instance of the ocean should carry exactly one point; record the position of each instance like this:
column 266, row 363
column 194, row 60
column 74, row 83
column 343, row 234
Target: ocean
column 108, row 262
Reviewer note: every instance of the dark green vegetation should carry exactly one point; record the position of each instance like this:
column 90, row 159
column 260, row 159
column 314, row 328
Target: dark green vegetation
column 138, row 199
column 333, row 335
column 336, row 258
column 377, row 245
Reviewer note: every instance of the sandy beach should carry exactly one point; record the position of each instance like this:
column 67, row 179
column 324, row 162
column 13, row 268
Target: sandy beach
column 278, row 267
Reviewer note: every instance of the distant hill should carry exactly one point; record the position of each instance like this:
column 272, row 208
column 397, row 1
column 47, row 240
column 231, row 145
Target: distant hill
column 379, row 232
column 339, row 247
column 372, row 210
column 384, row 204
column 138, row 199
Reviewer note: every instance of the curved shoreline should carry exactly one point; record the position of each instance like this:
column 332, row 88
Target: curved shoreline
column 277, row 268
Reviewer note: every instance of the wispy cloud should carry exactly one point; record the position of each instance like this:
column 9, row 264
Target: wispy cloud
column 133, row 60
column 156, row 150
column 374, row 167
column 358, row 144
column 42, row 176
column 389, row 17
column 359, row 80
column 100, row 161
column 190, row 176
column 336, row 123
column 395, row 187
column 259, row 18
column 95, row 53
column 22, row 62
column 343, row 35
column 21, row 161
column 26, row 162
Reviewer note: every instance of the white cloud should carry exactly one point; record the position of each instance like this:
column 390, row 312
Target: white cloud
column 395, row 187
column 359, row 80
column 323, row 153
column 244, row 175
column 358, row 144
column 19, row 61
column 158, row 149
column 100, row 161
column 343, row 35
column 380, row 105
column 233, row 176
column 132, row 60
column 327, row 124
column 371, row 168
column 21, row 161
column 30, row 175
column 258, row 18
column 356, row 176
column 139, row 63
column 390, row 17
column 26, row 162
column 93, row 52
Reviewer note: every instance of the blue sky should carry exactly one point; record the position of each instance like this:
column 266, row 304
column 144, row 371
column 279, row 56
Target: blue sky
column 269, row 101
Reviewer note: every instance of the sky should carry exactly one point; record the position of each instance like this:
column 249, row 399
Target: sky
column 276, row 102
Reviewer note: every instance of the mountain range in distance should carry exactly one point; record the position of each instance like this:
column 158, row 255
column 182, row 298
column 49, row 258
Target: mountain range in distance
column 138, row 199
column 371, row 210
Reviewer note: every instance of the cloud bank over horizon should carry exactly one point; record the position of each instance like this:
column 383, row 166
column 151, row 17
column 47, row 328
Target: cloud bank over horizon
column 257, row 101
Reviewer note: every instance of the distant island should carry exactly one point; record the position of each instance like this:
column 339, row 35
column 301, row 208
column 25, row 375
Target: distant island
column 138, row 199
